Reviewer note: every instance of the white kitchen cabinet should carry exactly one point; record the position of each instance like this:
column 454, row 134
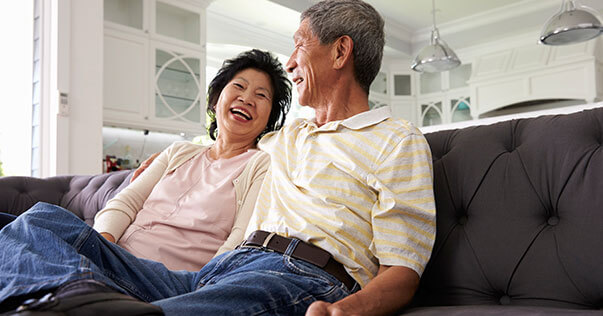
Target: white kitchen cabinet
column 444, row 97
column 154, row 65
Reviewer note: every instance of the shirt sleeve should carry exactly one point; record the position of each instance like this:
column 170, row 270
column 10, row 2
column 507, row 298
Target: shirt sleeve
column 403, row 217
column 121, row 210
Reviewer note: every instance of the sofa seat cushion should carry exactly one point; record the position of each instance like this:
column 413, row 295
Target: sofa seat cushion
column 494, row 310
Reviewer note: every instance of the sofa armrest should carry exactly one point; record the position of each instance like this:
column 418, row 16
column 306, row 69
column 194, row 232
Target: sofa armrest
column 83, row 195
column 89, row 194
column 18, row 194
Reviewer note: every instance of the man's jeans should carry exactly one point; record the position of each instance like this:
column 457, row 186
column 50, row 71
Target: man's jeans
column 48, row 246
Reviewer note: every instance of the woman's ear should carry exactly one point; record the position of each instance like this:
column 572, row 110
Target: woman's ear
column 342, row 51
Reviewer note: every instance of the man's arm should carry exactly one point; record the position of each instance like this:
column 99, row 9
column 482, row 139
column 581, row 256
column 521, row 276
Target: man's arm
column 108, row 237
column 143, row 166
column 390, row 290
column 403, row 222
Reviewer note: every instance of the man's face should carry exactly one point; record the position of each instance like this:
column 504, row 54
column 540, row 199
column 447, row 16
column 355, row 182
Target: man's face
column 309, row 65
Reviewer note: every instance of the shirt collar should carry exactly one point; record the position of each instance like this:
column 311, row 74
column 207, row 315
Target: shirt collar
column 368, row 118
column 358, row 121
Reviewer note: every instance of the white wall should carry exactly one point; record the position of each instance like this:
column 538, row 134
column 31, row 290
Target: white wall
column 16, row 31
column 85, row 88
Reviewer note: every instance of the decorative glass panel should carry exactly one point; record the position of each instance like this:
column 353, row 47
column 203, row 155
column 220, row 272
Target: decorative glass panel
column 431, row 82
column 125, row 12
column 460, row 110
column 178, row 23
column 379, row 85
column 177, row 87
column 432, row 113
column 401, row 84
column 459, row 76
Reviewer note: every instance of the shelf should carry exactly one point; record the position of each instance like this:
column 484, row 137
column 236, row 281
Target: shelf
column 178, row 23
column 124, row 12
column 157, row 67
column 167, row 96
column 179, row 105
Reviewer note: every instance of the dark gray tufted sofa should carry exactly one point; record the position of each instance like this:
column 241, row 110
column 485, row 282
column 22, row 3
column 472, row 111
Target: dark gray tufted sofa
column 519, row 211
column 82, row 195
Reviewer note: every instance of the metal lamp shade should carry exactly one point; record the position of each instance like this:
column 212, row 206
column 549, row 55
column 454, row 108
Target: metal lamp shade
column 571, row 25
column 435, row 57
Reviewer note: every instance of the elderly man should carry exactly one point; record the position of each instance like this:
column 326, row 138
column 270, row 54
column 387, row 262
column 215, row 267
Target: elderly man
column 353, row 182
column 345, row 220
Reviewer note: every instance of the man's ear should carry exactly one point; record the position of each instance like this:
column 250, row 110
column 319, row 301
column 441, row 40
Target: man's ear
column 342, row 51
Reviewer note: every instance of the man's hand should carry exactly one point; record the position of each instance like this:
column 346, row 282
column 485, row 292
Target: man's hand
column 108, row 237
column 389, row 291
column 321, row 308
column 144, row 165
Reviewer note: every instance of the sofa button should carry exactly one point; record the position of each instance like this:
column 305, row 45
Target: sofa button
column 505, row 300
column 553, row 220
column 462, row 220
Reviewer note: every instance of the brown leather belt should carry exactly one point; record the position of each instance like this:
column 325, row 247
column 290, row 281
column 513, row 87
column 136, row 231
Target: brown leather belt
column 302, row 251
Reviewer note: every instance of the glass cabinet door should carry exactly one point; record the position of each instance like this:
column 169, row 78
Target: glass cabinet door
column 460, row 109
column 402, row 85
column 178, row 23
column 431, row 113
column 380, row 83
column 459, row 76
column 177, row 86
column 124, row 12
column 431, row 82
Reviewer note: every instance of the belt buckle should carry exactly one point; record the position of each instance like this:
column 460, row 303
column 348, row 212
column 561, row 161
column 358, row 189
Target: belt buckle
column 264, row 245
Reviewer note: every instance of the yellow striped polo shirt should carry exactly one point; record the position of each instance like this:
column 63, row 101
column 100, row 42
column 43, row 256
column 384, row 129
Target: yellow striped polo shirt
column 360, row 188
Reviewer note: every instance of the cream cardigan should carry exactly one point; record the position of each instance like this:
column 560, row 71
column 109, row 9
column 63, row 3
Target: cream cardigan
column 121, row 211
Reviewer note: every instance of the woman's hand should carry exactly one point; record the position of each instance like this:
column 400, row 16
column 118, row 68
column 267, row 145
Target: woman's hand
column 108, row 237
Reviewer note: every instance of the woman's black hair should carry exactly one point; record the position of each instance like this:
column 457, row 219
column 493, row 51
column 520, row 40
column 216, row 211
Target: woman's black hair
column 262, row 61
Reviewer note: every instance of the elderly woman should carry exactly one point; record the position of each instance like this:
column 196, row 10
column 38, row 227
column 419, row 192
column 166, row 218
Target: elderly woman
column 192, row 202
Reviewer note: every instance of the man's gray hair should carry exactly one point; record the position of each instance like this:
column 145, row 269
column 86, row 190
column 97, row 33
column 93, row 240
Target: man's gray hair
column 332, row 19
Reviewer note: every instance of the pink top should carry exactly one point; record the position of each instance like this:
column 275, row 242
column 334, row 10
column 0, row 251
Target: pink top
column 190, row 211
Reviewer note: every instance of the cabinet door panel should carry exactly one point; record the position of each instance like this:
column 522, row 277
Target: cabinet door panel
column 178, row 86
column 125, row 74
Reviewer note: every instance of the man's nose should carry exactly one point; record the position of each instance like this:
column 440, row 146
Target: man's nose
column 291, row 64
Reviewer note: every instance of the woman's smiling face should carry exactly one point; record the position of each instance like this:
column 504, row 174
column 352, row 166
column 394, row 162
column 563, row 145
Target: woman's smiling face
column 244, row 105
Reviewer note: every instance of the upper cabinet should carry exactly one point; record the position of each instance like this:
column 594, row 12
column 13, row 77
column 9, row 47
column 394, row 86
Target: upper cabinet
column 154, row 65
column 444, row 97
column 530, row 73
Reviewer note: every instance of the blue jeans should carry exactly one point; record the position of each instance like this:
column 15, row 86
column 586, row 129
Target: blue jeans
column 48, row 246
column 6, row 218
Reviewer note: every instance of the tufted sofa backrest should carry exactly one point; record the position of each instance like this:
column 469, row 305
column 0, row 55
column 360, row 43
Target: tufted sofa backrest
column 82, row 195
column 519, row 211
column 519, row 214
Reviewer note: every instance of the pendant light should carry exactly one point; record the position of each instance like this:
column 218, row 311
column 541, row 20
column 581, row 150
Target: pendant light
column 437, row 56
column 572, row 24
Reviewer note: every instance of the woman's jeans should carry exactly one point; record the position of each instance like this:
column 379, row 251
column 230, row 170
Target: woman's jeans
column 48, row 246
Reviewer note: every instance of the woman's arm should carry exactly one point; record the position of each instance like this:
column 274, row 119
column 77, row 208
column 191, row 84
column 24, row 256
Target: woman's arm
column 121, row 211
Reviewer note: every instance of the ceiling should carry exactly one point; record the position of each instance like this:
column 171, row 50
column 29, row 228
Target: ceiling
column 234, row 25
